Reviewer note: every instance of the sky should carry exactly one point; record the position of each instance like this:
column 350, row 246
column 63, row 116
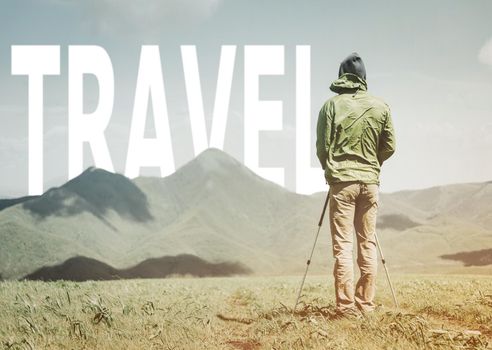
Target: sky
column 431, row 61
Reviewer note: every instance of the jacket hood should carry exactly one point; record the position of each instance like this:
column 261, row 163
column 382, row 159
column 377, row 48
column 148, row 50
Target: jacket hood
column 348, row 83
column 353, row 64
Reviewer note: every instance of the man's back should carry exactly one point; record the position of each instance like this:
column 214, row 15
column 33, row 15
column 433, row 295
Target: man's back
column 355, row 133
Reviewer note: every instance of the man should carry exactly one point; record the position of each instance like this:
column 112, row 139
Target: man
column 354, row 137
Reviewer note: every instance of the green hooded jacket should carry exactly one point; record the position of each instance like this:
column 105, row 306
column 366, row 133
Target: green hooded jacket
column 355, row 133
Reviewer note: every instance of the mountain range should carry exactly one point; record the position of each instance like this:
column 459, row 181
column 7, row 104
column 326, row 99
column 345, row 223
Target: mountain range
column 216, row 209
column 81, row 268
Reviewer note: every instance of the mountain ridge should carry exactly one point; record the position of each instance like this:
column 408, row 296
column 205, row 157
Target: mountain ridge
column 81, row 268
column 216, row 208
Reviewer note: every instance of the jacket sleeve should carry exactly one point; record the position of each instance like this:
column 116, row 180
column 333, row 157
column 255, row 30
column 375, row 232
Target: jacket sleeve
column 387, row 140
column 323, row 128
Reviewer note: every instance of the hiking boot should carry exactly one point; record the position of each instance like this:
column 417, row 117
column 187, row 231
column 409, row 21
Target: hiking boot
column 350, row 314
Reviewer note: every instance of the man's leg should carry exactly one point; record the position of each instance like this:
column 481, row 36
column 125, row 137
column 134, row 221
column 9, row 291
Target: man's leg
column 365, row 227
column 342, row 207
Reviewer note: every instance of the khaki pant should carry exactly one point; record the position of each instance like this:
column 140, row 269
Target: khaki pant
column 354, row 205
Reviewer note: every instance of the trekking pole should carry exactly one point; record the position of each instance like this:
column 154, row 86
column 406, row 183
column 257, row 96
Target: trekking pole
column 312, row 250
column 386, row 270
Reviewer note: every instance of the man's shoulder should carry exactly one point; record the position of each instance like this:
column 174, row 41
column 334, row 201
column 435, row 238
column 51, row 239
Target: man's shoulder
column 342, row 99
column 378, row 101
column 332, row 102
column 328, row 104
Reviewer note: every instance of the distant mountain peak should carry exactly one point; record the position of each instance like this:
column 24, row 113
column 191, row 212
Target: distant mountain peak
column 213, row 162
column 95, row 176
column 215, row 155
column 96, row 191
column 92, row 173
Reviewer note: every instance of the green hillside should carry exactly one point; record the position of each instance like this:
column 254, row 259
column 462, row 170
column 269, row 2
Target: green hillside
column 217, row 209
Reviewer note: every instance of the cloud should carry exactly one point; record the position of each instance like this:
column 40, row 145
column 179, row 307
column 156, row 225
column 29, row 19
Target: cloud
column 148, row 18
column 485, row 54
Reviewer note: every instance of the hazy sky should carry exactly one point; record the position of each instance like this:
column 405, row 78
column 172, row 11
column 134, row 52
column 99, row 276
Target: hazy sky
column 430, row 60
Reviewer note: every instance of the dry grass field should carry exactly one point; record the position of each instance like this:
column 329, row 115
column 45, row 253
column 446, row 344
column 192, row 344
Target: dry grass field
column 437, row 312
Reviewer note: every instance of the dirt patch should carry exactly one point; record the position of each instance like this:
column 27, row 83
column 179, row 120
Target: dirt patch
column 234, row 319
column 438, row 317
column 246, row 344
